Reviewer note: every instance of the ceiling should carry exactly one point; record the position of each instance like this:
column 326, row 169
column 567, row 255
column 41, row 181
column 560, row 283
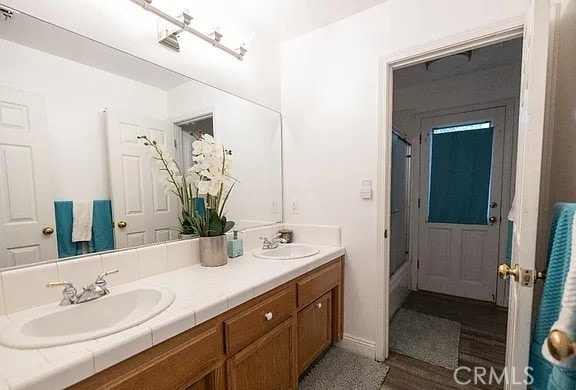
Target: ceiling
column 285, row 19
column 505, row 53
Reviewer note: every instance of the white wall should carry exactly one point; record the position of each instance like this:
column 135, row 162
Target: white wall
column 76, row 96
column 126, row 26
column 563, row 180
column 485, row 86
column 253, row 134
column 330, row 105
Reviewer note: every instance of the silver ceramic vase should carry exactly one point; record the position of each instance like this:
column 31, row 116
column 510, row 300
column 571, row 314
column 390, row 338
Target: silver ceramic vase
column 213, row 251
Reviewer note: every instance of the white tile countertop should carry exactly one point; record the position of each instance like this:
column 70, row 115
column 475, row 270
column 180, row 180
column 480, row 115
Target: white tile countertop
column 201, row 294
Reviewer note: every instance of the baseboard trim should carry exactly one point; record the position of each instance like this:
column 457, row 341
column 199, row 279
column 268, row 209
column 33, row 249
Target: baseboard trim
column 358, row 346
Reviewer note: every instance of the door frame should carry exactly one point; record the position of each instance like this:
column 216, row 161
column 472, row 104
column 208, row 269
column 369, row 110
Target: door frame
column 508, row 176
column 190, row 117
column 499, row 32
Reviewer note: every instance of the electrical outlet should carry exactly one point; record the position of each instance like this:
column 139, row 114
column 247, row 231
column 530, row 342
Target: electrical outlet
column 294, row 206
column 274, row 207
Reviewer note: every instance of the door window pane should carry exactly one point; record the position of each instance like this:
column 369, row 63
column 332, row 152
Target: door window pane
column 460, row 171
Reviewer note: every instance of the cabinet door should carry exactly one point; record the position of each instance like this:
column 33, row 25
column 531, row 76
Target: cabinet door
column 270, row 363
column 314, row 331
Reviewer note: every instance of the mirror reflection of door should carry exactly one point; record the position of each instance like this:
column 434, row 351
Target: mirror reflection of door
column 461, row 198
column 143, row 212
column 27, row 232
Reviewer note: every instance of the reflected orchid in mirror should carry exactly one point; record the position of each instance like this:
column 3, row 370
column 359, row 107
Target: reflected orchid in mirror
column 205, row 189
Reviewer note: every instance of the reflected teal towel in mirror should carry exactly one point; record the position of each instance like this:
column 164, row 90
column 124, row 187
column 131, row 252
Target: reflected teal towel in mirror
column 102, row 228
column 199, row 206
column 460, row 169
column 63, row 214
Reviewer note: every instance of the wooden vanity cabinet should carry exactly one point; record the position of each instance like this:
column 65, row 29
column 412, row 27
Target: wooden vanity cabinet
column 314, row 331
column 268, row 363
column 263, row 344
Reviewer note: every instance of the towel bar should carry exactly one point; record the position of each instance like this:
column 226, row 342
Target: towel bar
column 560, row 345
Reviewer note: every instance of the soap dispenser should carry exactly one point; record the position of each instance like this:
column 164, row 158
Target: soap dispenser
column 235, row 246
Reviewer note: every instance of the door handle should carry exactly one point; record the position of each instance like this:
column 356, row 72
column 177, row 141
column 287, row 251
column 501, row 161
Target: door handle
column 48, row 230
column 492, row 219
column 504, row 271
column 493, row 205
column 560, row 345
column 122, row 224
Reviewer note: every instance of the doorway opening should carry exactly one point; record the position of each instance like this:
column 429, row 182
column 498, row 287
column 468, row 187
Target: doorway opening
column 189, row 131
column 453, row 153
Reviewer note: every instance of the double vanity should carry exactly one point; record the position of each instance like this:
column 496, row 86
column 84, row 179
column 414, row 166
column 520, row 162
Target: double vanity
column 256, row 323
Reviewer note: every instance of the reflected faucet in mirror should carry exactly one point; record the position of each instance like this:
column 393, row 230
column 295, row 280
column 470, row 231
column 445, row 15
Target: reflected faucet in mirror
column 89, row 293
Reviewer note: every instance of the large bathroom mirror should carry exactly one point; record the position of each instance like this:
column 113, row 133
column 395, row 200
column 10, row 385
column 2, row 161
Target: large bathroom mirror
column 77, row 177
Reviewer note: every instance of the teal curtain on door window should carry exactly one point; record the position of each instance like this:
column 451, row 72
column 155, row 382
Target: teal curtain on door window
column 460, row 168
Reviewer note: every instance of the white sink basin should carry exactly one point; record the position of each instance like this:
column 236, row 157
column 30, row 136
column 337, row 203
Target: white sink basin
column 49, row 327
column 287, row 252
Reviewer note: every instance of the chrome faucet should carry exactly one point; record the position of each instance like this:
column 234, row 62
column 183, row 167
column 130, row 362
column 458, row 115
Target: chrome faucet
column 93, row 291
column 267, row 244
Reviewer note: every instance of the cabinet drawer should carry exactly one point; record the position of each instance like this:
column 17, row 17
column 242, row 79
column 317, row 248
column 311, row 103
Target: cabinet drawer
column 314, row 286
column 246, row 327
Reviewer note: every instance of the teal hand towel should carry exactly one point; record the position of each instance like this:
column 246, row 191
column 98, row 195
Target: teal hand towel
column 63, row 214
column 102, row 229
column 546, row 375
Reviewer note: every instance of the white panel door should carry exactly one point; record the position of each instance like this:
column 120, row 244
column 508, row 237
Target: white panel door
column 528, row 171
column 143, row 213
column 459, row 259
column 26, row 199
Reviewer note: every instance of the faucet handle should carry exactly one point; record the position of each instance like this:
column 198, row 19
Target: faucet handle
column 68, row 294
column 100, row 277
column 60, row 284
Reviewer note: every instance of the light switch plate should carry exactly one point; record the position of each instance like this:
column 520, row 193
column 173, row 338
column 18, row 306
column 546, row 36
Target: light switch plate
column 366, row 189
column 294, row 207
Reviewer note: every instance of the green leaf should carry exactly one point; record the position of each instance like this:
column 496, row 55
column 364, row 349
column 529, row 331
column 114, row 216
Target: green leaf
column 228, row 225
column 215, row 225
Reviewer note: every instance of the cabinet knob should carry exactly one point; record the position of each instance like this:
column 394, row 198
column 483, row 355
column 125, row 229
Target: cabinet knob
column 319, row 305
column 268, row 316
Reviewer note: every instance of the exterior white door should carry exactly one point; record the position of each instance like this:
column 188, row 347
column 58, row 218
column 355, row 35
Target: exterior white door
column 528, row 170
column 459, row 251
column 143, row 213
column 26, row 199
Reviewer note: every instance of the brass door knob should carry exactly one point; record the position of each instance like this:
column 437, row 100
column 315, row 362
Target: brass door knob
column 122, row 224
column 560, row 345
column 505, row 271
column 492, row 219
column 48, row 230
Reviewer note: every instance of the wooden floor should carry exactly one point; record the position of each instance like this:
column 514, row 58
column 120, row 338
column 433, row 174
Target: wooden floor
column 482, row 343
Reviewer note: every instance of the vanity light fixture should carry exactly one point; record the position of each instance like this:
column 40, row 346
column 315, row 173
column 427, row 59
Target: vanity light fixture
column 7, row 14
column 168, row 36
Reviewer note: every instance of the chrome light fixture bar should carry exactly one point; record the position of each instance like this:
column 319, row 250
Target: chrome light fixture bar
column 169, row 37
